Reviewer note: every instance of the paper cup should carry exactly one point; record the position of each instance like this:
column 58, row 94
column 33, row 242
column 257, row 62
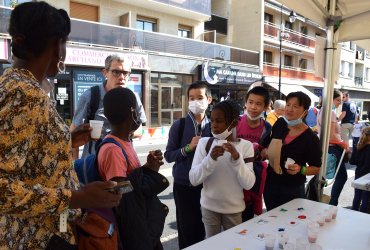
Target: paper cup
column 312, row 232
column 334, row 212
column 283, row 239
column 96, row 128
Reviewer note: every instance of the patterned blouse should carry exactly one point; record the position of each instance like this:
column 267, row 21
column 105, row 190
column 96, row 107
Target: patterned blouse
column 36, row 174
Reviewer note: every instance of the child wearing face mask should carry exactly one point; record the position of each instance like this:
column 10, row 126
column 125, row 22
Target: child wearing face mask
column 183, row 139
column 252, row 127
column 225, row 170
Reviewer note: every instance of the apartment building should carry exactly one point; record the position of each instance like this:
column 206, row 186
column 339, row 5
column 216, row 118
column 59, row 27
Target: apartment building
column 166, row 42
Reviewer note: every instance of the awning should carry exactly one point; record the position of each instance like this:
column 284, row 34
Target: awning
column 288, row 88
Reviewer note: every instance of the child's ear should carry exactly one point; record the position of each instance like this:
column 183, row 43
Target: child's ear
column 209, row 98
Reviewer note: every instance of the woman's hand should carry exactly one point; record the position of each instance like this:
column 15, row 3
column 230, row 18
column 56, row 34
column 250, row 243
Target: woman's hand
column 154, row 160
column 95, row 195
column 293, row 169
column 81, row 135
column 216, row 152
column 232, row 150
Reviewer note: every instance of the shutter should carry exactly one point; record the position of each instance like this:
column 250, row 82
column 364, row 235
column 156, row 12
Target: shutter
column 84, row 11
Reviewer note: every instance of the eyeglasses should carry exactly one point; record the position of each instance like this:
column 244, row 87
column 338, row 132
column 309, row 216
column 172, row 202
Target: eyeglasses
column 117, row 73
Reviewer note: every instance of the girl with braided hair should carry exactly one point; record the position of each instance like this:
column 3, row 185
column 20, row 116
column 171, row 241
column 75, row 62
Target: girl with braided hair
column 223, row 165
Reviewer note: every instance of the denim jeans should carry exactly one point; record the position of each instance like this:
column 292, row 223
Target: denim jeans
column 341, row 178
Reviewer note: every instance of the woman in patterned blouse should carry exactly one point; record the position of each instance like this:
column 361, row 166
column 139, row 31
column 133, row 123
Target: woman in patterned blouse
column 37, row 180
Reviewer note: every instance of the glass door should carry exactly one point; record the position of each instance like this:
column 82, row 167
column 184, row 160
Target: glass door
column 171, row 105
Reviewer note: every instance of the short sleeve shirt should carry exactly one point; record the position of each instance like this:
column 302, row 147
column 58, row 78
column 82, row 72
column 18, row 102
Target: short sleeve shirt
column 350, row 108
column 112, row 162
column 244, row 131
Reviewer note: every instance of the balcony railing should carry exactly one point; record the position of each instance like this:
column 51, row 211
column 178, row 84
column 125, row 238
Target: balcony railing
column 290, row 72
column 202, row 6
column 90, row 33
column 294, row 37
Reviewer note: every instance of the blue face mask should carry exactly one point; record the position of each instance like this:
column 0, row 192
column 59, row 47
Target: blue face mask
column 293, row 122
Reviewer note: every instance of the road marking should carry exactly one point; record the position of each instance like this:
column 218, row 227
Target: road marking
column 169, row 237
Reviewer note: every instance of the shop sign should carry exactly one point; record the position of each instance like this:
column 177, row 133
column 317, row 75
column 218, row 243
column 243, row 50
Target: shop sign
column 317, row 92
column 96, row 58
column 83, row 80
column 226, row 74
column 4, row 49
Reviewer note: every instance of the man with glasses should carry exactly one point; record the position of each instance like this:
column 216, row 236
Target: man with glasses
column 116, row 72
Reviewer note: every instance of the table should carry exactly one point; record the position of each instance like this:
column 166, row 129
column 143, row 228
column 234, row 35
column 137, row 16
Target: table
column 350, row 230
column 362, row 183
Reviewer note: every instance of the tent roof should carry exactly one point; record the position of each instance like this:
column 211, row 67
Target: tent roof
column 355, row 16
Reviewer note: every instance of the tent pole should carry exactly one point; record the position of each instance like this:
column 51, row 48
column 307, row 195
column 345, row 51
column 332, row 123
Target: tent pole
column 327, row 98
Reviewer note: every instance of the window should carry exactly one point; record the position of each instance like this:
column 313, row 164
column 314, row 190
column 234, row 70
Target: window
column 288, row 61
column 288, row 25
column 12, row 3
column 146, row 23
column 350, row 69
column 184, row 31
column 84, row 11
column 367, row 74
column 303, row 63
column 267, row 56
column 342, row 68
column 269, row 18
column 304, row 30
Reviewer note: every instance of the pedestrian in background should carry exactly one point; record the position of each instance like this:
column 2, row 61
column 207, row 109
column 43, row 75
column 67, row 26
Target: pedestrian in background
column 183, row 139
column 279, row 107
column 347, row 117
column 38, row 184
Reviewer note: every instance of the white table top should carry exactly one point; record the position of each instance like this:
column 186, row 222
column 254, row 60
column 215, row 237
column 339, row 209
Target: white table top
column 362, row 183
column 349, row 231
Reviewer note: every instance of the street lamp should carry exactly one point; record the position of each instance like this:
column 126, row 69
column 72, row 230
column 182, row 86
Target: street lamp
column 282, row 34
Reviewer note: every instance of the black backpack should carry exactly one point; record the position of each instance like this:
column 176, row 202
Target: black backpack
column 93, row 107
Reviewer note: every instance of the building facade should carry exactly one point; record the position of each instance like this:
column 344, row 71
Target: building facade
column 164, row 40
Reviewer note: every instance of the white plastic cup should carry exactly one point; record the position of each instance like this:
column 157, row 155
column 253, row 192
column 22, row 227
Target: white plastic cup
column 320, row 218
column 312, row 232
column 301, row 243
column 269, row 241
column 283, row 239
column 328, row 215
column 96, row 129
column 289, row 246
column 334, row 212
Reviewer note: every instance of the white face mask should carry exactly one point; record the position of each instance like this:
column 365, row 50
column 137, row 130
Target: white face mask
column 223, row 135
column 198, row 107
column 253, row 118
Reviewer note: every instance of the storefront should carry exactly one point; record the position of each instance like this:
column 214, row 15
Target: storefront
column 228, row 81
column 84, row 70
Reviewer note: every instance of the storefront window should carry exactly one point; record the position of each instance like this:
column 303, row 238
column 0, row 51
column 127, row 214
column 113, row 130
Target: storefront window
column 168, row 95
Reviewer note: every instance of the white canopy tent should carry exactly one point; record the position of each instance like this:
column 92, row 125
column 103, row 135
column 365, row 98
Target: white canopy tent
column 345, row 20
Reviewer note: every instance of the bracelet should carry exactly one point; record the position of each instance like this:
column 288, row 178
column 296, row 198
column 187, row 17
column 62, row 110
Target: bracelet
column 187, row 148
column 303, row 170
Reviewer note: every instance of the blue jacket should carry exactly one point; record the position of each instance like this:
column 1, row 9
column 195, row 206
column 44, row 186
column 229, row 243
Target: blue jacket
column 175, row 149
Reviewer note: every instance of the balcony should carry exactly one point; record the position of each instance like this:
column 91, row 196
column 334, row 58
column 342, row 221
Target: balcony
column 290, row 72
column 294, row 37
column 217, row 23
column 116, row 37
column 192, row 9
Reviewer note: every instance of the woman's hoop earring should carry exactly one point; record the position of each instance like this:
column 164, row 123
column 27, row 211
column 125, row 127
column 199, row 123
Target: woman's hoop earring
column 61, row 67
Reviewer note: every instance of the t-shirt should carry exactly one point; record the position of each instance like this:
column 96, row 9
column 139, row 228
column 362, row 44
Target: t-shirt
column 350, row 108
column 112, row 162
column 244, row 131
column 304, row 149
column 271, row 118
column 357, row 129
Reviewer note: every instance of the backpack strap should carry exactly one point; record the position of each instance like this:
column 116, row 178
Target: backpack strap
column 209, row 144
column 94, row 102
column 111, row 140
column 94, row 105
